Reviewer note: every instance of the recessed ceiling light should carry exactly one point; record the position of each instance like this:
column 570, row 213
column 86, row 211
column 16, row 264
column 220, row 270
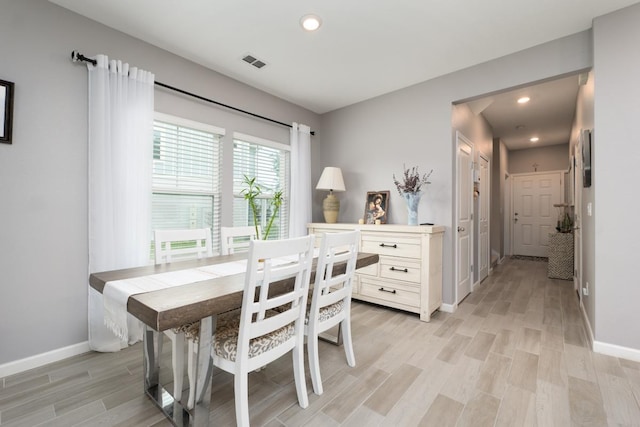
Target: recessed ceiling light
column 534, row 139
column 310, row 22
column 524, row 100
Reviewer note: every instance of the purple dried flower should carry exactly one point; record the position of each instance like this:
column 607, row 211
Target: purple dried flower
column 412, row 181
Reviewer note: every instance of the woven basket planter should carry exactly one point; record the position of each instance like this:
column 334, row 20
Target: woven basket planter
column 560, row 256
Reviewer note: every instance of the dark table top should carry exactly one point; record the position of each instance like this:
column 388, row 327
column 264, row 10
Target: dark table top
column 172, row 307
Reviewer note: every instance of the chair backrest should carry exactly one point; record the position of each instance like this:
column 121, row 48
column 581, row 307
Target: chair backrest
column 174, row 245
column 237, row 238
column 329, row 287
column 264, row 308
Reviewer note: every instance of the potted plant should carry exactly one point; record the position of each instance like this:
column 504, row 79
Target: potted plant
column 253, row 192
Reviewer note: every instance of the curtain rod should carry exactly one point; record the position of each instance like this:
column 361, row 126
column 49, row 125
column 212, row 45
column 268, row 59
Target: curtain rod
column 77, row 56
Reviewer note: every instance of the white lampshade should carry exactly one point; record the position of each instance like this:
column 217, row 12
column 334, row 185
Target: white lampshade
column 331, row 179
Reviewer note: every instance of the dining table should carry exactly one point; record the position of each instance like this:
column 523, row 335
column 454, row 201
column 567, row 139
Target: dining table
column 173, row 307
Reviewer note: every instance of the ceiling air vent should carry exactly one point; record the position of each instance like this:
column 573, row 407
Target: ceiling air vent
column 250, row 59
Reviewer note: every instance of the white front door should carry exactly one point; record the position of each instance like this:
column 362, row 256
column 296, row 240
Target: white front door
column 484, row 246
column 464, row 220
column 534, row 215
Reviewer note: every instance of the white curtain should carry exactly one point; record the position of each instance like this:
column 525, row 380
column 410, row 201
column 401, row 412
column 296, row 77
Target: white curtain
column 300, row 204
column 120, row 161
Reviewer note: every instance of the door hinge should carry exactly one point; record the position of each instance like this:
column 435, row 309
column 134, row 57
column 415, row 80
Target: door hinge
column 471, row 268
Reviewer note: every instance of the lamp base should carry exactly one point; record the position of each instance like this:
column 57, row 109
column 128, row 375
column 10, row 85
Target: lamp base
column 331, row 208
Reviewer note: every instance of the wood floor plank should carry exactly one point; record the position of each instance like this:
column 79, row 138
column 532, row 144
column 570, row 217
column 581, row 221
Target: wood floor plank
column 348, row 401
column 454, row 348
column 552, row 405
column 494, row 374
column 461, row 385
column 392, row 389
column 480, row 411
column 586, row 403
column 480, row 346
column 428, row 384
column 524, row 371
column 443, row 412
column 619, row 401
column 518, row 408
column 552, row 367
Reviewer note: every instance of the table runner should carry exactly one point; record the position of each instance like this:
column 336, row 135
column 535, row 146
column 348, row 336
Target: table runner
column 116, row 293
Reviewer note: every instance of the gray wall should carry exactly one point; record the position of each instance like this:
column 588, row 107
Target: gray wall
column 584, row 120
column 371, row 140
column 616, row 156
column 498, row 212
column 550, row 158
column 43, row 175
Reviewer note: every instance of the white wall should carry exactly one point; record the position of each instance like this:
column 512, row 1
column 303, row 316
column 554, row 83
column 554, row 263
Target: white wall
column 549, row 158
column 43, row 174
column 371, row 140
column 615, row 176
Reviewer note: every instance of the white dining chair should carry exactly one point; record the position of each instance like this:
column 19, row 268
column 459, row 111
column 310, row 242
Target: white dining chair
column 174, row 245
column 237, row 238
column 267, row 326
column 331, row 300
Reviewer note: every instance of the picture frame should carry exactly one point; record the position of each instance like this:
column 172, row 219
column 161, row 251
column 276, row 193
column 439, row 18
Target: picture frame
column 6, row 111
column 376, row 207
column 586, row 158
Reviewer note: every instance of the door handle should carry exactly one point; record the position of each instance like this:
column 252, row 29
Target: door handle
column 460, row 229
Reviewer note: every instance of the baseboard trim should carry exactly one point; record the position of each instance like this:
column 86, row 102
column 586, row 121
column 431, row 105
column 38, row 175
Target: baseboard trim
column 616, row 351
column 587, row 324
column 42, row 359
column 606, row 348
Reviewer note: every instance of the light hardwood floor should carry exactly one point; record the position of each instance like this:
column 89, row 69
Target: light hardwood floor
column 515, row 353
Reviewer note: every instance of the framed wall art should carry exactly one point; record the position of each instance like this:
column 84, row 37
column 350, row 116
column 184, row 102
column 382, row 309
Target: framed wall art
column 377, row 207
column 586, row 158
column 6, row 111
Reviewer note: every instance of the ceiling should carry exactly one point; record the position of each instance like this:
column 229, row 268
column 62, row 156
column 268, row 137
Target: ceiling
column 363, row 48
column 548, row 115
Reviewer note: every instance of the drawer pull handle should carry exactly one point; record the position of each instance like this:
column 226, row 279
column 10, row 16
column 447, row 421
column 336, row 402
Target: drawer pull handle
column 387, row 290
column 404, row 270
column 384, row 245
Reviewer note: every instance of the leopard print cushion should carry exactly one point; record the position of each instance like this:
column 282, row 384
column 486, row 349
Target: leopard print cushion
column 225, row 343
column 327, row 312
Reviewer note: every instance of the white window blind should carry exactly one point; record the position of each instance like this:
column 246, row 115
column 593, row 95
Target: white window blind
column 269, row 163
column 186, row 175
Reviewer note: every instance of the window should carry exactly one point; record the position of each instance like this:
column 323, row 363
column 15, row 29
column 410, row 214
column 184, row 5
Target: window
column 186, row 175
column 269, row 163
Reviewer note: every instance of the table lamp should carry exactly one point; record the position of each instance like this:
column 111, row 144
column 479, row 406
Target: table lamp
column 331, row 179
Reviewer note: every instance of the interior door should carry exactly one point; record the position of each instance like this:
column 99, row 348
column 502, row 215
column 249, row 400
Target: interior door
column 464, row 211
column 534, row 215
column 484, row 249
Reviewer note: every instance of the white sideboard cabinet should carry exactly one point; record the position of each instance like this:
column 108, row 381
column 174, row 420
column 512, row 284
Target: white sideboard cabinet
column 409, row 274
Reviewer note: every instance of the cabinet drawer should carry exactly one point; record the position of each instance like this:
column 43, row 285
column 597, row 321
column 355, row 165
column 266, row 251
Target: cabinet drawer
column 400, row 269
column 390, row 244
column 395, row 293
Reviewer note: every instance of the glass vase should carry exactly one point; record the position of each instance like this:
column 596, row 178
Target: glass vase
column 413, row 201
